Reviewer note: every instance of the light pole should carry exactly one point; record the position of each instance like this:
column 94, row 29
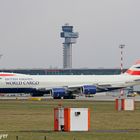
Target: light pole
column 121, row 46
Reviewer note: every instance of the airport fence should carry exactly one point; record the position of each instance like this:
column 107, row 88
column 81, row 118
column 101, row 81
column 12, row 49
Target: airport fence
column 27, row 138
column 4, row 137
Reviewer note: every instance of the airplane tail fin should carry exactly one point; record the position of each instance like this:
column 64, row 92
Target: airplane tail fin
column 134, row 70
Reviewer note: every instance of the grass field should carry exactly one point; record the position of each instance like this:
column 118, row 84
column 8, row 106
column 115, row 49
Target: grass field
column 32, row 120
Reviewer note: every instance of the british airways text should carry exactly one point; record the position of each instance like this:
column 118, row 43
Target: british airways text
column 21, row 81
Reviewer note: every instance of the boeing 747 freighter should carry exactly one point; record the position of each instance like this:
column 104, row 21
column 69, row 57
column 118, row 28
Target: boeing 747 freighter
column 66, row 85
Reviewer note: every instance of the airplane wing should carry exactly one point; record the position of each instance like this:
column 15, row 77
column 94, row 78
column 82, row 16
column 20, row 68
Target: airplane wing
column 77, row 89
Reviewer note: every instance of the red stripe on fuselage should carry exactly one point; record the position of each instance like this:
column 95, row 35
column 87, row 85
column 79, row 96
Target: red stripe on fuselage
column 132, row 72
column 6, row 74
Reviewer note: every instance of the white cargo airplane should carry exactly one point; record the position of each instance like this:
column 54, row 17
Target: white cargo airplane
column 67, row 85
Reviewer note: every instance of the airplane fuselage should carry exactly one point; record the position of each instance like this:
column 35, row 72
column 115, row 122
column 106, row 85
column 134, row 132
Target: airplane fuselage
column 49, row 81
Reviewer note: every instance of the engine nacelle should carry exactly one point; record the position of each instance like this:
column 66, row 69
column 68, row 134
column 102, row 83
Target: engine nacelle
column 89, row 89
column 58, row 92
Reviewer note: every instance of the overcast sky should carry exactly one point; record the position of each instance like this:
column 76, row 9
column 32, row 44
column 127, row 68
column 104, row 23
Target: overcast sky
column 30, row 32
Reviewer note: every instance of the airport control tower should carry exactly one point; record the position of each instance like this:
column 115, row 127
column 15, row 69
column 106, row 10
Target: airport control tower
column 70, row 38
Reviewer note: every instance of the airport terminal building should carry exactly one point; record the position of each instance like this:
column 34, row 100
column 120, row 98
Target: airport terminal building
column 99, row 71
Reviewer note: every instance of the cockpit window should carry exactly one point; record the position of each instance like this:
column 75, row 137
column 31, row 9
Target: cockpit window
column 137, row 67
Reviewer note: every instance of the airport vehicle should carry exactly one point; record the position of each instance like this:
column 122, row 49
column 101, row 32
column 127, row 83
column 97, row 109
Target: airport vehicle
column 66, row 86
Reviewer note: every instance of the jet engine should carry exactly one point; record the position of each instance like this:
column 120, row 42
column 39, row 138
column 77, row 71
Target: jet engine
column 89, row 89
column 57, row 93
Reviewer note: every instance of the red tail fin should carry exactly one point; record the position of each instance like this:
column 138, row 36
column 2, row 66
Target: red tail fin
column 135, row 69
